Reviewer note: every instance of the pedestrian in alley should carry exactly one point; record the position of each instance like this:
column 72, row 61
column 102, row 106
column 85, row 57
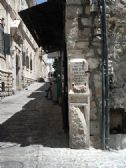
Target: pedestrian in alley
column 49, row 91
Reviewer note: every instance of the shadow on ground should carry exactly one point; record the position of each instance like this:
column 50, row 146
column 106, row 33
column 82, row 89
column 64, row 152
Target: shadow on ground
column 39, row 122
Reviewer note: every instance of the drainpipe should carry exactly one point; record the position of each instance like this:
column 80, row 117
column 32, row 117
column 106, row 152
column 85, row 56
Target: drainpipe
column 105, row 78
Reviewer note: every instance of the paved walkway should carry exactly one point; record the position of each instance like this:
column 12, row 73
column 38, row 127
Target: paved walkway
column 31, row 136
column 29, row 118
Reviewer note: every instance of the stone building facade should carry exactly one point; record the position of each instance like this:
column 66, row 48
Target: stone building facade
column 21, row 61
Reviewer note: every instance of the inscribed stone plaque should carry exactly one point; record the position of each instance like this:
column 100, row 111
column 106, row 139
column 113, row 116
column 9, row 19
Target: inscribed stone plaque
column 78, row 68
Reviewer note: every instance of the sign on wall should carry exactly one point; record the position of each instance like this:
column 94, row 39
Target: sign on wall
column 78, row 67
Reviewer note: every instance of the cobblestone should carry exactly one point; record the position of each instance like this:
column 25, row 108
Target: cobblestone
column 32, row 139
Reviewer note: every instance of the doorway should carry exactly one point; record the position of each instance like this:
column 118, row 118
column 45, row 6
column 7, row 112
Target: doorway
column 17, row 72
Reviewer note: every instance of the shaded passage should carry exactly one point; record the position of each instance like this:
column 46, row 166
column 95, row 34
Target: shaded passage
column 39, row 122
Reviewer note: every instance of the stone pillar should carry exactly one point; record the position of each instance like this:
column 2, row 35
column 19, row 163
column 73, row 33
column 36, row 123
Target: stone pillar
column 84, row 56
column 78, row 85
column 79, row 103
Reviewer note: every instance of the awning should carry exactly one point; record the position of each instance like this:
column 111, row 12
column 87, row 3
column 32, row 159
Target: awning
column 45, row 23
column 54, row 55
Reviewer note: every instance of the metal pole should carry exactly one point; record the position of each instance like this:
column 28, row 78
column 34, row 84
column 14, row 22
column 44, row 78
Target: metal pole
column 105, row 77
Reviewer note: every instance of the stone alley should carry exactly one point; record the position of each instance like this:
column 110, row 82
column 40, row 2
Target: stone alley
column 31, row 136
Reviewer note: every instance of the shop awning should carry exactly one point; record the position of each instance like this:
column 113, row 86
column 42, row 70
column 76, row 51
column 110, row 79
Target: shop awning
column 45, row 23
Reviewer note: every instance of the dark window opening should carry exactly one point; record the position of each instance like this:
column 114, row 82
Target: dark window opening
column 27, row 62
column 31, row 64
column 17, row 64
column 3, row 86
column 23, row 58
column 1, row 40
column 117, row 121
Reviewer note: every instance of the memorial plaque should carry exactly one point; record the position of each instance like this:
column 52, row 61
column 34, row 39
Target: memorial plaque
column 78, row 75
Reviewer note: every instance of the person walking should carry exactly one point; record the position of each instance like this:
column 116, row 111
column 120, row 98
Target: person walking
column 49, row 91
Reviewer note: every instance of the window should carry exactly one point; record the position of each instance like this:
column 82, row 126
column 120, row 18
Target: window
column 31, row 64
column 23, row 58
column 27, row 62
column 1, row 40
column 27, row 59
column 117, row 121
column 4, row 42
column 3, row 86
column 31, row 61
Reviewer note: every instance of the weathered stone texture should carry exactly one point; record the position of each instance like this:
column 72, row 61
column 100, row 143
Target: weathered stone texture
column 117, row 50
column 81, row 43
column 73, row 11
column 93, row 63
column 6, row 78
column 117, row 141
column 79, row 133
column 74, row 2
column 22, row 46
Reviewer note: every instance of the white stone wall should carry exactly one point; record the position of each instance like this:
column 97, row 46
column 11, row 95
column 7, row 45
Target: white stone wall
column 5, row 61
column 20, row 36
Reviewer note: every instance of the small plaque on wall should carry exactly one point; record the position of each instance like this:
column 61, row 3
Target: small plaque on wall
column 78, row 67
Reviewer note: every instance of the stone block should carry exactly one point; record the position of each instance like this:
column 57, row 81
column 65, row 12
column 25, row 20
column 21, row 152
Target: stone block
column 98, row 91
column 6, row 89
column 90, row 53
column 93, row 63
column 82, row 45
column 99, row 51
column 78, row 98
column 96, row 43
column 75, row 53
column 79, row 127
column 73, row 2
column 69, row 25
column 72, row 34
column 93, row 111
column 9, row 93
column 73, row 11
column 87, row 10
column 86, row 21
column 94, row 128
column 117, row 141
column 97, row 81
column 82, row 34
column 95, row 142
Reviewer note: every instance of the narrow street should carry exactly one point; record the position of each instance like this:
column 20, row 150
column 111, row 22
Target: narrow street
column 31, row 136
column 29, row 118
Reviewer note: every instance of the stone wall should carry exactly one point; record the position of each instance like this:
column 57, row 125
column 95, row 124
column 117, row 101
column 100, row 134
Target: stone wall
column 6, row 80
column 116, row 17
column 20, row 39
column 117, row 50
column 83, row 41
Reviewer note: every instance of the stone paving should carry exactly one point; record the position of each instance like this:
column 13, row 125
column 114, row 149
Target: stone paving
column 31, row 136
